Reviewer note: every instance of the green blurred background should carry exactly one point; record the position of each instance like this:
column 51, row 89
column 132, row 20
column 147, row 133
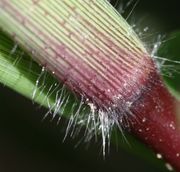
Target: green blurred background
column 29, row 144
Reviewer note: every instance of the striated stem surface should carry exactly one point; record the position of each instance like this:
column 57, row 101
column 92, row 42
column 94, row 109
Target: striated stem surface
column 90, row 47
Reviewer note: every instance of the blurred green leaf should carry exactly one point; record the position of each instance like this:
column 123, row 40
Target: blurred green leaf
column 170, row 53
column 19, row 72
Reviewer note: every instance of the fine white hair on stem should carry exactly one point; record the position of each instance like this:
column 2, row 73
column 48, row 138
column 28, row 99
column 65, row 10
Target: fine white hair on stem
column 94, row 121
column 151, row 39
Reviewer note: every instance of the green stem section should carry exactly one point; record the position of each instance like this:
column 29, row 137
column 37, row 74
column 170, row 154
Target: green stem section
column 78, row 41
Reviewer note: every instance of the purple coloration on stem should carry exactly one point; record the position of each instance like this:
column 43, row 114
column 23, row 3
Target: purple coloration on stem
column 100, row 73
column 97, row 55
column 158, row 126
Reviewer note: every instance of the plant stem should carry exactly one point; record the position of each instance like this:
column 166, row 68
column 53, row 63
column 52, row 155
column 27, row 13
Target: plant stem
column 158, row 125
column 92, row 49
